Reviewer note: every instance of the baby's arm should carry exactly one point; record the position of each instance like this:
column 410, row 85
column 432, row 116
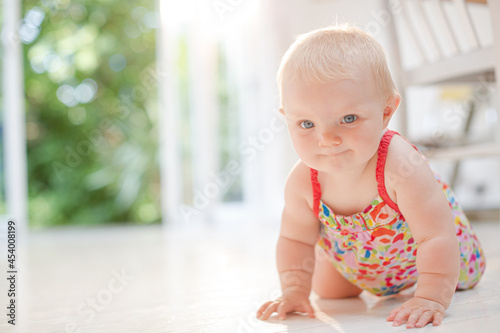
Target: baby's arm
column 295, row 249
column 427, row 212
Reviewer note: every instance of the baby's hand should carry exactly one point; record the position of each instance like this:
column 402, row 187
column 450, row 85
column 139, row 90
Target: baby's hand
column 418, row 312
column 294, row 301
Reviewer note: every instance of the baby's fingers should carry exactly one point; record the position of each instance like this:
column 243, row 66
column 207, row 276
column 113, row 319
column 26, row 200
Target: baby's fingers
column 309, row 310
column 401, row 316
column 438, row 318
column 267, row 312
column 283, row 309
column 393, row 313
column 420, row 317
column 416, row 318
column 423, row 320
column 263, row 308
column 424, row 317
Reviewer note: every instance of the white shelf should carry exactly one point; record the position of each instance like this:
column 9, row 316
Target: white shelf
column 464, row 67
column 459, row 152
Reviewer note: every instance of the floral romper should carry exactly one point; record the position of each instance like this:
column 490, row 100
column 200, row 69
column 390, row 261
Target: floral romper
column 375, row 249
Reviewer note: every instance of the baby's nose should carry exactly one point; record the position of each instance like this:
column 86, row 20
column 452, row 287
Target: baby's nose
column 329, row 139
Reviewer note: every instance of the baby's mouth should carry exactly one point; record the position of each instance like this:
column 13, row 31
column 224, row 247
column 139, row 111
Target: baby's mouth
column 336, row 153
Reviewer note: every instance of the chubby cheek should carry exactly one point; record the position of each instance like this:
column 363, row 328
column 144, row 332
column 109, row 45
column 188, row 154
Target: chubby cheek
column 305, row 147
column 368, row 145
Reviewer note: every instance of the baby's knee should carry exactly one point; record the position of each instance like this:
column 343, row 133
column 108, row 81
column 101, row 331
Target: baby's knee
column 327, row 282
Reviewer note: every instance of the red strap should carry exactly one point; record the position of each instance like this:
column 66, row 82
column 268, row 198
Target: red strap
column 316, row 187
column 382, row 155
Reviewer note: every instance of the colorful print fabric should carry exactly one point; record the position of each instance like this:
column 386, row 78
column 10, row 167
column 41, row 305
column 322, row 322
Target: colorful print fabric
column 375, row 249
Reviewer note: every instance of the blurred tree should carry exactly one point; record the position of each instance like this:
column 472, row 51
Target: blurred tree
column 91, row 111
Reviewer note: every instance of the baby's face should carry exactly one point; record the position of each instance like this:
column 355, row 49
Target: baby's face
column 336, row 127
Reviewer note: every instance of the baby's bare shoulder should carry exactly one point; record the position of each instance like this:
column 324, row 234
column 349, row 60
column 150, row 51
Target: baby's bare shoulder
column 403, row 158
column 298, row 219
column 406, row 170
column 298, row 184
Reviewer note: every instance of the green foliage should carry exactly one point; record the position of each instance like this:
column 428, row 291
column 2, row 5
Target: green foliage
column 91, row 113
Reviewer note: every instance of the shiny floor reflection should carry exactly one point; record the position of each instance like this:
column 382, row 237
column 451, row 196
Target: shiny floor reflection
column 202, row 279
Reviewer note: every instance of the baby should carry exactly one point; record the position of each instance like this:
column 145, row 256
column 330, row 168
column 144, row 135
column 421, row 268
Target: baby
column 362, row 203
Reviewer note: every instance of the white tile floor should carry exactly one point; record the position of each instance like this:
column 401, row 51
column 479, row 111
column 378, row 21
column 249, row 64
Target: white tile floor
column 194, row 279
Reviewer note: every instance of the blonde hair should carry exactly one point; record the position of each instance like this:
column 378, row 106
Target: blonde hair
column 330, row 54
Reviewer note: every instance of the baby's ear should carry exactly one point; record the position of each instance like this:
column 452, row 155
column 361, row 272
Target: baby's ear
column 390, row 107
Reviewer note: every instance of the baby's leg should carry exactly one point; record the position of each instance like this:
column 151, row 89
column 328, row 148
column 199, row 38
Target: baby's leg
column 327, row 282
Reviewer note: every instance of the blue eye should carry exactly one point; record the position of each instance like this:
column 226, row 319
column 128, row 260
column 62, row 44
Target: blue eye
column 349, row 119
column 306, row 124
